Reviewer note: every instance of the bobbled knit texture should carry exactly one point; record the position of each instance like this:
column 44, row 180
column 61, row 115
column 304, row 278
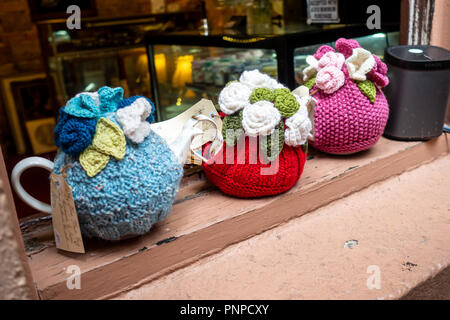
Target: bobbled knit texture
column 346, row 121
column 128, row 196
column 287, row 104
column 261, row 94
column 245, row 180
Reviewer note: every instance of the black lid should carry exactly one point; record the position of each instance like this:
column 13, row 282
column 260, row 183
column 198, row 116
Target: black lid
column 418, row 57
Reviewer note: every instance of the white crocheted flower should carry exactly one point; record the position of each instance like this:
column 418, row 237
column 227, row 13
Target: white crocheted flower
column 234, row 97
column 255, row 79
column 298, row 126
column 312, row 68
column 274, row 84
column 132, row 118
column 359, row 64
column 260, row 118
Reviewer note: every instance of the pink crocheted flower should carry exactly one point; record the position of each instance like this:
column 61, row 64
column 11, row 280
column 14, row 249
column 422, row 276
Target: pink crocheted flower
column 378, row 73
column 330, row 58
column 330, row 79
column 322, row 50
column 346, row 46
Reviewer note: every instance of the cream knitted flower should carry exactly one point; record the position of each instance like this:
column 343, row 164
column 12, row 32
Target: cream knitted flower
column 132, row 118
column 359, row 64
column 298, row 127
column 255, row 79
column 234, row 97
column 312, row 68
column 260, row 118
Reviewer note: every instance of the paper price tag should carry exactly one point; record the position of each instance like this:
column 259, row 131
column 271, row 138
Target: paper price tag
column 65, row 219
column 170, row 129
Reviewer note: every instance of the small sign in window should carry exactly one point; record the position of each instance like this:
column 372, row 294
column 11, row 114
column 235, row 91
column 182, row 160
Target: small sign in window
column 322, row 11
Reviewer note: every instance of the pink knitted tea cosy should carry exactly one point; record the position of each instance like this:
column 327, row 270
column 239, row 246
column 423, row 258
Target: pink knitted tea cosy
column 351, row 110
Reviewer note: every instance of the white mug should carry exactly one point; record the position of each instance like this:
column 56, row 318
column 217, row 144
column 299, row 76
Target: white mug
column 15, row 179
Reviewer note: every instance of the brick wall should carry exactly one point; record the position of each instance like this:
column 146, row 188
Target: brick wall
column 19, row 43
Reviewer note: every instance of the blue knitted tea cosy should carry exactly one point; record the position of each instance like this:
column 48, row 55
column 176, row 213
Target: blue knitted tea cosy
column 128, row 196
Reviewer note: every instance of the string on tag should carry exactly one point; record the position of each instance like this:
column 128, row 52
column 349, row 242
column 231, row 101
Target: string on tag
column 63, row 171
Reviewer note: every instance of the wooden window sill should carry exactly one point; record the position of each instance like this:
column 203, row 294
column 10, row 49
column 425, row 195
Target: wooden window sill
column 204, row 221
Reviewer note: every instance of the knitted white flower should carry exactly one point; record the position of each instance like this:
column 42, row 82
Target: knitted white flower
column 359, row 64
column 132, row 118
column 260, row 118
column 274, row 84
column 298, row 126
column 234, row 97
column 255, row 79
column 312, row 68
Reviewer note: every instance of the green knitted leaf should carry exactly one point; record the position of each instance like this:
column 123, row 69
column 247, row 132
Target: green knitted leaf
column 310, row 83
column 280, row 92
column 232, row 122
column 368, row 89
column 305, row 147
column 260, row 94
column 287, row 104
column 265, row 145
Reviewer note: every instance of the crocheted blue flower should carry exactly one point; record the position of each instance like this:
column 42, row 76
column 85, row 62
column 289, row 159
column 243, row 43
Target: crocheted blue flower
column 128, row 101
column 74, row 134
column 94, row 104
column 109, row 98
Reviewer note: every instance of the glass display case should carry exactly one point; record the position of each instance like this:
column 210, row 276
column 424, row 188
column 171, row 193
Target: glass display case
column 188, row 73
column 105, row 51
column 188, row 66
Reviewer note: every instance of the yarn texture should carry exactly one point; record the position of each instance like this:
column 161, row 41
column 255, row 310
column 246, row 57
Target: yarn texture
column 232, row 128
column 127, row 196
column 346, row 121
column 350, row 111
column 254, row 160
column 298, row 128
column 368, row 89
column 73, row 134
column 260, row 118
column 133, row 119
column 262, row 94
column 234, row 97
column 109, row 139
column 128, row 101
column 245, row 180
column 287, row 104
column 93, row 161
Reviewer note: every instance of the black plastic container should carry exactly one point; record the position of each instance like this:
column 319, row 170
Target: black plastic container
column 418, row 91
